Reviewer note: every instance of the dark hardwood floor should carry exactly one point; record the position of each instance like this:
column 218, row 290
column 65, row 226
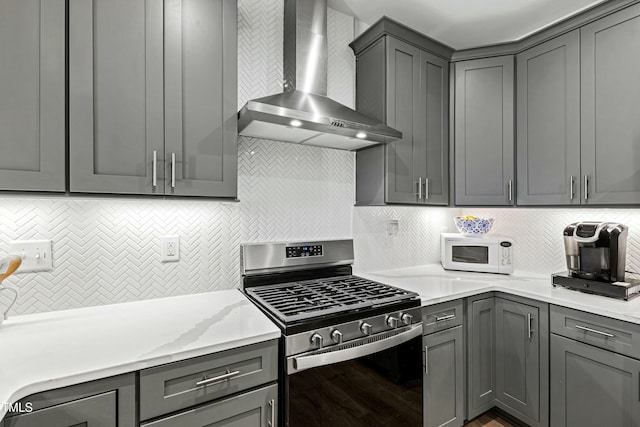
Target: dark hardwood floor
column 489, row 419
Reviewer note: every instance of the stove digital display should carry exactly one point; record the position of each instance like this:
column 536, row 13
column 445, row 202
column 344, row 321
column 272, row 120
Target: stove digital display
column 304, row 251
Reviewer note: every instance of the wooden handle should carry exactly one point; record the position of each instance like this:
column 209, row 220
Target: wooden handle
column 14, row 261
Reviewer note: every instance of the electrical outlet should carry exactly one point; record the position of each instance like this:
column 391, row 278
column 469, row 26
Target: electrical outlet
column 36, row 255
column 170, row 248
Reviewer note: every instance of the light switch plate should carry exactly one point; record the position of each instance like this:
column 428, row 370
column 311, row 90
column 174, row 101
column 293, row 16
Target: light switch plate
column 36, row 255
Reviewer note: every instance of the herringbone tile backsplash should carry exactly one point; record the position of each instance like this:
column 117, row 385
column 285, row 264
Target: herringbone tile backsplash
column 108, row 250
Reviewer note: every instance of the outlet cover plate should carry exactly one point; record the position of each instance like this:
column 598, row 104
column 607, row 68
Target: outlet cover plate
column 170, row 249
column 36, row 255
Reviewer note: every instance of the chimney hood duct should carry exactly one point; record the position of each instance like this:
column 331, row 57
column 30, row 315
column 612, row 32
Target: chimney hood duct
column 303, row 114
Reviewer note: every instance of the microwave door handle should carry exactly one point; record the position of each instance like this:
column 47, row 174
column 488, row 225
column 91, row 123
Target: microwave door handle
column 355, row 350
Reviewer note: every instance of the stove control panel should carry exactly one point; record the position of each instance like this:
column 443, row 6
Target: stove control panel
column 304, row 251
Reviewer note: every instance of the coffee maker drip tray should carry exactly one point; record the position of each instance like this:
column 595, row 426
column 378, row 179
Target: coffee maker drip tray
column 620, row 290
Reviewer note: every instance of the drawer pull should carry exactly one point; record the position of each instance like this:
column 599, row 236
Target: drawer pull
column 443, row 318
column 584, row 328
column 272, row 421
column 208, row 381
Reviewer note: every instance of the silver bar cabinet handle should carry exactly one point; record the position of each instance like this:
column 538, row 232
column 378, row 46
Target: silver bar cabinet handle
column 510, row 186
column 443, row 318
column 584, row 328
column 529, row 319
column 272, row 405
column 218, row 379
column 426, row 188
column 571, row 188
column 426, row 359
column 154, row 169
column 173, row 170
column 419, row 188
column 586, row 187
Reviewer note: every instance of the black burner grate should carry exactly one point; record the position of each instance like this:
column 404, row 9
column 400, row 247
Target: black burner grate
column 303, row 300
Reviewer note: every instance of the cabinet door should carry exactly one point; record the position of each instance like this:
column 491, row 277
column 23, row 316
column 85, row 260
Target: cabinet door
column 484, row 138
column 444, row 379
column 548, row 147
column 518, row 358
column 257, row 408
column 32, row 95
column 591, row 387
column 403, row 101
column 201, row 97
column 115, row 96
column 481, row 356
column 94, row 411
column 432, row 147
column 610, row 105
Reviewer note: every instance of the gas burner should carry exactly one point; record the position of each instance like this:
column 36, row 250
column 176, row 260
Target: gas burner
column 297, row 301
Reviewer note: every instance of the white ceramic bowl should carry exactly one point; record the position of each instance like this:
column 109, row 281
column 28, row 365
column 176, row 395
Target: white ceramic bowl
column 473, row 227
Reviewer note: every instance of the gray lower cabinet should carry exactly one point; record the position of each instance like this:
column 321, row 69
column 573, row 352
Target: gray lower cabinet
column 522, row 367
column 610, row 101
column 257, row 408
column 548, row 125
column 481, row 355
column 591, row 387
column 103, row 403
column 32, row 95
column 484, row 132
column 406, row 87
column 152, row 106
column 444, row 378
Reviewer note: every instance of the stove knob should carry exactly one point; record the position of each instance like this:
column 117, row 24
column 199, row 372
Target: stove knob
column 366, row 328
column 336, row 336
column 406, row 318
column 392, row 322
column 317, row 340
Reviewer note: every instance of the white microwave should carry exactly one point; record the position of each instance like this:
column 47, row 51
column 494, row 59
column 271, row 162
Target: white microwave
column 492, row 254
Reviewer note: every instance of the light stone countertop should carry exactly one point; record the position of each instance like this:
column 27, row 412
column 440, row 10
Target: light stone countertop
column 435, row 285
column 46, row 351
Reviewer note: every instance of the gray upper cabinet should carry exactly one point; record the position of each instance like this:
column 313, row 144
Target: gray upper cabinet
column 32, row 95
column 484, row 132
column 522, row 334
column 403, row 164
column 403, row 81
column 591, row 387
column 610, row 94
column 115, row 96
column 201, row 71
column 548, row 125
column 152, row 105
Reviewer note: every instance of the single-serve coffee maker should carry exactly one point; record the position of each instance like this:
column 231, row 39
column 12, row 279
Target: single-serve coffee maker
column 596, row 250
column 596, row 254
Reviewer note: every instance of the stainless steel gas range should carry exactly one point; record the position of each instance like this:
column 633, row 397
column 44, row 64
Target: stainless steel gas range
column 351, row 350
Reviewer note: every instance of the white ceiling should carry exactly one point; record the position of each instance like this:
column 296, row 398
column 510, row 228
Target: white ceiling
column 463, row 24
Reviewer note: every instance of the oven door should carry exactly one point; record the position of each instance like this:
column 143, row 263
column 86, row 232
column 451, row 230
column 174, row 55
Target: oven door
column 374, row 381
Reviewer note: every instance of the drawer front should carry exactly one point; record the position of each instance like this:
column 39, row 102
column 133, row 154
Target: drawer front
column 257, row 408
column 604, row 332
column 94, row 411
column 442, row 316
column 180, row 385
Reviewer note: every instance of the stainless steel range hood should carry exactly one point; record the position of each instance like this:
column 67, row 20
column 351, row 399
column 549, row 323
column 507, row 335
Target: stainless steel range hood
column 303, row 114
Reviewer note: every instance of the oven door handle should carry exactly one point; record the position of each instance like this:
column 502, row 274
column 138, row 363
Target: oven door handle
column 350, row 350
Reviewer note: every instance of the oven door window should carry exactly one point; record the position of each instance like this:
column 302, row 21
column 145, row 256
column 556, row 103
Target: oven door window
column 470, row 254
column 382, row 389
